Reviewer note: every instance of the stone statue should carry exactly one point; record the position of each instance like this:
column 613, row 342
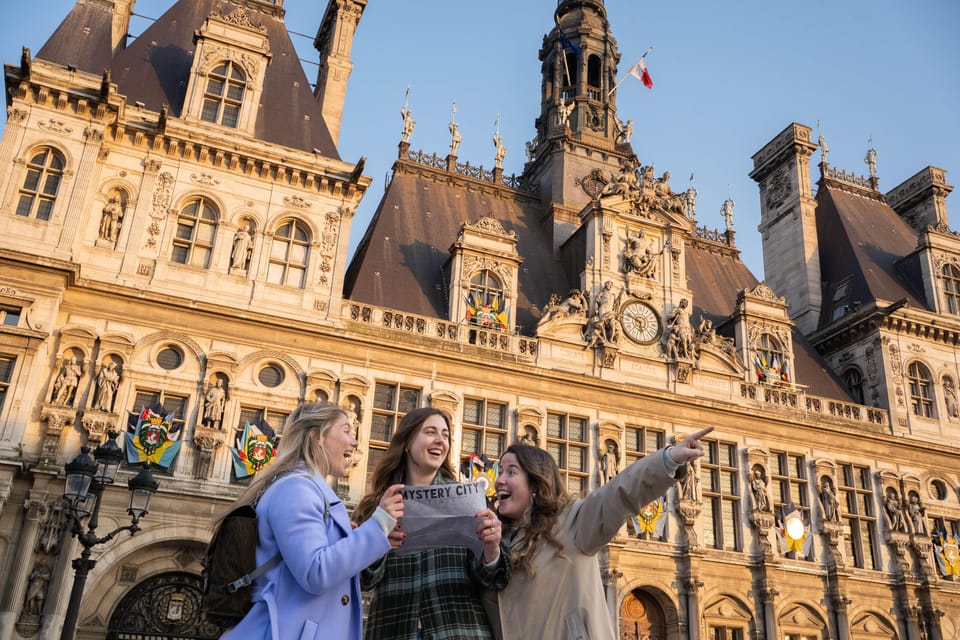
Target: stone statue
column 891, row 505
column 640, row 260
column 499, row 150
column 726, row 210
column 37, row 585
column 824, row 149
column 680, row 334
column 107, row 382
column 828, row 501
column 871, row 161
column 66, row 383
column 408, row 123
column 213, row 405
column 609, row 462
column 758, row 485
column 242, row 247
column 690, row 202
column 625, row 131
column 608, row 305
column 110, row 219
column 531, row 149
column 950, row 398
column 595, row 335
column 455, row 138
column 529, row 436
column 917, row 513
column 564, row 109
column 690, row 485
column 624, row 183
column 573, row 304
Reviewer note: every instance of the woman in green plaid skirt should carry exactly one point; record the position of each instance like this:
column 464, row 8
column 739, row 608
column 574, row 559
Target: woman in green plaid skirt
column 433, row 594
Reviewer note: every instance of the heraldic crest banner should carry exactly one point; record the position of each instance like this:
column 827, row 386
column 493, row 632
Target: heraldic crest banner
column 153, row 436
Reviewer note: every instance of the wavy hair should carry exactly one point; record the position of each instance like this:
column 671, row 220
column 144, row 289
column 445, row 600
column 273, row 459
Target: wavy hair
column 392, row 468
column 549, row 497
column 301, row 444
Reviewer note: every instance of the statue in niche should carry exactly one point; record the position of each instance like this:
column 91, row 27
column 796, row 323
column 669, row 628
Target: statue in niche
column 758, row 486
column 213, row 404
column 917, row 514
column 65, row 385
column 828, row 501
column 680, row 334
column 529, row 436
column 242, row 247
column 892, row 507
column 352, row 408
column 37, row 585
column 690, row 484
column 609, row 462
column 107, row 382
column 950, row 398
column 110, row 219
column 639, row 259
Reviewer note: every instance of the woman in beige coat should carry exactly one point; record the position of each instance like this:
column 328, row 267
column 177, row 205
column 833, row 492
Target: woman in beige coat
column 555, row 590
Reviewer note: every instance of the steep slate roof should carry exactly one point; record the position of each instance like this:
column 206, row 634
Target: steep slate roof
column 399, row 262
column 82, row 40
column 154, row 69
column 861, row 241
column 716, row 276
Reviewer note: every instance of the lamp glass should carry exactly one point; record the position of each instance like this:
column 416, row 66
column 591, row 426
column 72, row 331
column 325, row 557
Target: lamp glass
column 108, row 456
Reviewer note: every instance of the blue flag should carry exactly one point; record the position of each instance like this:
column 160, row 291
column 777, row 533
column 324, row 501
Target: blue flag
column 566, row 43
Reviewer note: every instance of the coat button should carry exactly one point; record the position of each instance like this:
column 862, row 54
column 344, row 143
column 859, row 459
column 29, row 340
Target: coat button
column 345, row 600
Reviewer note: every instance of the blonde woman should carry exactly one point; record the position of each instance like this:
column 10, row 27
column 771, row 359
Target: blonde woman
column 314, row 591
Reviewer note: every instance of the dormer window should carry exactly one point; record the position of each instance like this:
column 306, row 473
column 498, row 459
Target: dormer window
column 485, row 303
column 223, row 97
column 951, row 288
column 770, row 361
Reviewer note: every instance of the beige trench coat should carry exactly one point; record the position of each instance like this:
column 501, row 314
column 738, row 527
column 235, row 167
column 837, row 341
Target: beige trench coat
column 565, row 600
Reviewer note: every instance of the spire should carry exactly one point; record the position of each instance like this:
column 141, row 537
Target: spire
column 334, row 41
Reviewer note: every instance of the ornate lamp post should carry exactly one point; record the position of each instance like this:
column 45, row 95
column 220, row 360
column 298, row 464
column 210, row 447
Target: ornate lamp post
column 86, row 479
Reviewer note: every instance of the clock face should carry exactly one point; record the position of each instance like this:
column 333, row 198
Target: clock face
column 641, row 323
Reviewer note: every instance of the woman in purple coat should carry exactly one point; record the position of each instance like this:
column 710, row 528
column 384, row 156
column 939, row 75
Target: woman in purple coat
column 314, row 591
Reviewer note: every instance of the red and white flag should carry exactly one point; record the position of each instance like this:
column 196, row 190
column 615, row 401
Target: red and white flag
column 639, row 71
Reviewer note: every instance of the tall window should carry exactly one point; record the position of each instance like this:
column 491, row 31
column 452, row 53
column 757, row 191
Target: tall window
column 728, row 633
column 921, row 389
column 196, row 230
column 224, row 95
column 485, row 302
column 594, row 68
column 567, row 443
column 172, row 404
column 790, row 484
column 255, row 416
column 771, row 361
column 288, row 254
column 853, row 381
column 951, row 288
column 39, row 191
column 720, row 484
column 6, row 375
column 484, row 428
column 860, row 530
column 390, row 403
column 10, row 316
column 642, row 441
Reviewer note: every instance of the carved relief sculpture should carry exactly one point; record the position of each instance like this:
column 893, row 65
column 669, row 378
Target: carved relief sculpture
column 111, row 218
column 680, row 334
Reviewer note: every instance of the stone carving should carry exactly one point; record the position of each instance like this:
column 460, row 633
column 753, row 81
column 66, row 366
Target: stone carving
column 65, row 384
column 917, row 514
column 455, row 138
column 108, row 379
column 563, row 112
column 639, row 259
column 950, row 398
column 499, row 150
column 110, row 219
column 574, row 304
column 892, row 507
column 726, row 210
column 609, row 461
column 871, row 161
column 828, row 501
column 690, row 485
column 604, row 327
column 37, row 585
column 242, row 247
column 408, row 122
column 679, row 333
column 213, row 403
column 758, row 487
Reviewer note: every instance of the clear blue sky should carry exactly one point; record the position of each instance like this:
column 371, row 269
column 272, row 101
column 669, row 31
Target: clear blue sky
column 728, row 76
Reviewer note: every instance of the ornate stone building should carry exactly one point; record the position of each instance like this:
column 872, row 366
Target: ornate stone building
column 175, row 233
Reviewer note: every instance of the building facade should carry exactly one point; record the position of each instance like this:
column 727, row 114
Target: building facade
column 175, row 234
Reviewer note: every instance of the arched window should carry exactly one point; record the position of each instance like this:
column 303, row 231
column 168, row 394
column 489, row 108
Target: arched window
column 951, row 288
column 288, row 254
column 853, row 381
column 570, row 76
column 770, row 361
column 196, row 230
column 485, row 303
column 593, row 76
column 39, row 190
column 224, row 95
column 921, row 389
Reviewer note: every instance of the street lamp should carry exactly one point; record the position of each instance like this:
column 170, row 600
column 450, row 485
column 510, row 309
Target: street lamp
column 86, row 479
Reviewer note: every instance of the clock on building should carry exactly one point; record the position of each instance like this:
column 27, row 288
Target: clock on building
column 640, row 322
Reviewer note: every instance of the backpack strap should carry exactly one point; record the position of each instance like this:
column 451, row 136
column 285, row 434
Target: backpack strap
column 247, row 580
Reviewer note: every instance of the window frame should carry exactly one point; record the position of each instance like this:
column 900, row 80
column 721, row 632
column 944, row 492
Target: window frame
column 485, row 430
column 39, row 193
column 287, row 265
column 8, row 311
column 6, row 377
column 859, row 516
column 718, row 501
column 196, row 245
column 950, row 286
column 222, row 102
column 560, row 445
column 389, row 413
column 921, row 390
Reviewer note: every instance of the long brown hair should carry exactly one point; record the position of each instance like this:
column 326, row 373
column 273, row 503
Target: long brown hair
column 301, row 444
column 549, row 494
column 392, row 468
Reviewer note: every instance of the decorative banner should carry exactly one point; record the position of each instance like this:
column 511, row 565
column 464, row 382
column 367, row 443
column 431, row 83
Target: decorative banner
column 793, row 534
column 651, row 520
column 153, row 437
column 485, row 311
column 776, row 373
column 947, row 553
column 256, row 448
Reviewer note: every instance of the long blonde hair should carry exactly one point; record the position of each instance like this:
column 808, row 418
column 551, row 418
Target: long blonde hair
column 301, row 444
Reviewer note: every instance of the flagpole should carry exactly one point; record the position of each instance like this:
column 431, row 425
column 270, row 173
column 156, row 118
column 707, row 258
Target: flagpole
column 563, row 54
column 620, row 82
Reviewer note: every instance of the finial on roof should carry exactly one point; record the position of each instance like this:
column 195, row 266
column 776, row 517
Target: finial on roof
column 408, row 122
column 871, row 159
column 822, row 143
column 455, row 136
column 727, row 211
column 500, row 149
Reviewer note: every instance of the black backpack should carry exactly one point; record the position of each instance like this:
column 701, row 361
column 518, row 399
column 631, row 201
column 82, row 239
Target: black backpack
column 230, row 565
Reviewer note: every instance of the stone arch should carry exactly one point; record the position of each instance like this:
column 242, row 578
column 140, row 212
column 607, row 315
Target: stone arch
column 151, row 340
column 873, row 625
column 802, row 616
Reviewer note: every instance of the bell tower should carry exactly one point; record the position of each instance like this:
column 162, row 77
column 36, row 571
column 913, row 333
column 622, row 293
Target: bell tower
column 577, row 130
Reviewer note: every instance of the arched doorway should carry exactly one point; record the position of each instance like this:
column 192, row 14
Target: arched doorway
column 641, row 618
column 165, row 606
